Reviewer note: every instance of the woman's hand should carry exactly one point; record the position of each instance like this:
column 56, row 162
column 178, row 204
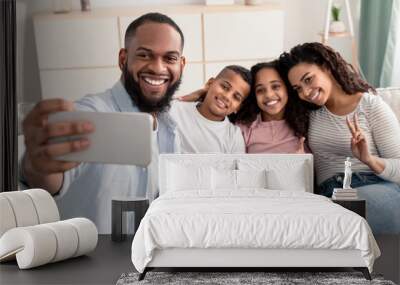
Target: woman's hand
column 300, row 149
column 195, row 96
column 359, row 146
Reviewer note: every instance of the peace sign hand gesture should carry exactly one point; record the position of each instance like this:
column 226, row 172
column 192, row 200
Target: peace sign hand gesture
column 359, row 145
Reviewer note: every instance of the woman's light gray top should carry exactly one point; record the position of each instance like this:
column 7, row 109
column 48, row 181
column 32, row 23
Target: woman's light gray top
column 330, row 139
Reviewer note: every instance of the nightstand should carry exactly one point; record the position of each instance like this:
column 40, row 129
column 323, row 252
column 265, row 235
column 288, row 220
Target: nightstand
column 137, row 205
column 357, row 205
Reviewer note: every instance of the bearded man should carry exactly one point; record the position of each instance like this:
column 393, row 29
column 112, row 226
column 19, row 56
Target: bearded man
column 151, row 63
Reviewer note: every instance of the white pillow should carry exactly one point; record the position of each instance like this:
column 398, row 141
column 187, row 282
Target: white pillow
column 188, row 177
column 292, row 179
column 223, row 179
column 251, row 179
column 280, row 174
column 228, row 179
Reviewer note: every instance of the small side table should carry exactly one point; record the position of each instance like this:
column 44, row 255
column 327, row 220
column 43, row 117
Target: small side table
column 357, row 206
column 137, row 205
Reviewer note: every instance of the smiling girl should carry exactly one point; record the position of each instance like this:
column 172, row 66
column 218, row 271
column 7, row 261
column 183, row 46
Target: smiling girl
column 348, row 120
column 271, row 119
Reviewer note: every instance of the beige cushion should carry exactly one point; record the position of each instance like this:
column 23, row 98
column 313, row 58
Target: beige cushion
column 392, row 97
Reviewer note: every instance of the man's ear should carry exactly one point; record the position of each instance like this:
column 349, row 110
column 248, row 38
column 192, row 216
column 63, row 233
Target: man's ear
column 122, row 58
column 183, row 62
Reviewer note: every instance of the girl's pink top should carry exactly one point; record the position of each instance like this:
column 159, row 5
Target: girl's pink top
column 269, row 137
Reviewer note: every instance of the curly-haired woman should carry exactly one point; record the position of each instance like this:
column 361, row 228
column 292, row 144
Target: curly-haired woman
column 348, row 120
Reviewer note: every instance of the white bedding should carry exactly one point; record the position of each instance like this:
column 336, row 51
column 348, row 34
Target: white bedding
column 252, row 218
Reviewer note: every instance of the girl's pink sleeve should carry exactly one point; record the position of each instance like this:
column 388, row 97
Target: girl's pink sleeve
column 245, row 132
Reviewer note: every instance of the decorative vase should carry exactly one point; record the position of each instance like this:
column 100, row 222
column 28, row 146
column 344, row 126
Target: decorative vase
column 254, row 2
column 85, row 5
column 337, row 27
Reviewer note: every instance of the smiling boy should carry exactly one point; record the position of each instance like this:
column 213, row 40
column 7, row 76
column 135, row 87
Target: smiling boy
column 204, row 127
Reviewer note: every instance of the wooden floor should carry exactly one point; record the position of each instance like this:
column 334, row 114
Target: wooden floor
column 389, row 262
column 111, row 259
column 102, row 266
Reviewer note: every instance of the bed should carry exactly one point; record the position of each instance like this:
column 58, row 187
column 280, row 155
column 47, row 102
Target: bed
column 218, row 210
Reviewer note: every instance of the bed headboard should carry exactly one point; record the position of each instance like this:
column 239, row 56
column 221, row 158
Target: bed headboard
column 285, row 171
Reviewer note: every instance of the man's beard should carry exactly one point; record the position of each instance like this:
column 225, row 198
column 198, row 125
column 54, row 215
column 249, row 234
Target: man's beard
column 141, row 101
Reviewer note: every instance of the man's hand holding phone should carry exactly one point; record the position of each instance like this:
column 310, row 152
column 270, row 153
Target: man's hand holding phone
column 40, row 160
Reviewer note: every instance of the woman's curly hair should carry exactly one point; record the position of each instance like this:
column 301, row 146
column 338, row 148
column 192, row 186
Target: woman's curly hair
column 296, row 115
column 324, row 56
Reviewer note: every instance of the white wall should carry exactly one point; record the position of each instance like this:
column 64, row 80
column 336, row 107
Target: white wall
column 304, row 19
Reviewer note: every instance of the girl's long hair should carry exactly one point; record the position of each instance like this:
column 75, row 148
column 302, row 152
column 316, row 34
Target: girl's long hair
column 296, row 115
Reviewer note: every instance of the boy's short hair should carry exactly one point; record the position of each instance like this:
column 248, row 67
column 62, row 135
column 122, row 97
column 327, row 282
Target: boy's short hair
column 151, row 17
column 240, row 70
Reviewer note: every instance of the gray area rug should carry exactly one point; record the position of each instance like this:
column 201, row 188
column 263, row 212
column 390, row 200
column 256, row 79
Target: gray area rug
column 231, row 278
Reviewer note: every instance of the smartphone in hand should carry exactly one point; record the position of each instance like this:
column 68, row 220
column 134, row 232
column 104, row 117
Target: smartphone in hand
column 118, row 138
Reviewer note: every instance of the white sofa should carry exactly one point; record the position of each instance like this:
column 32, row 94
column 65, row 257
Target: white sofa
column 389, row 263
column 391, row 96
